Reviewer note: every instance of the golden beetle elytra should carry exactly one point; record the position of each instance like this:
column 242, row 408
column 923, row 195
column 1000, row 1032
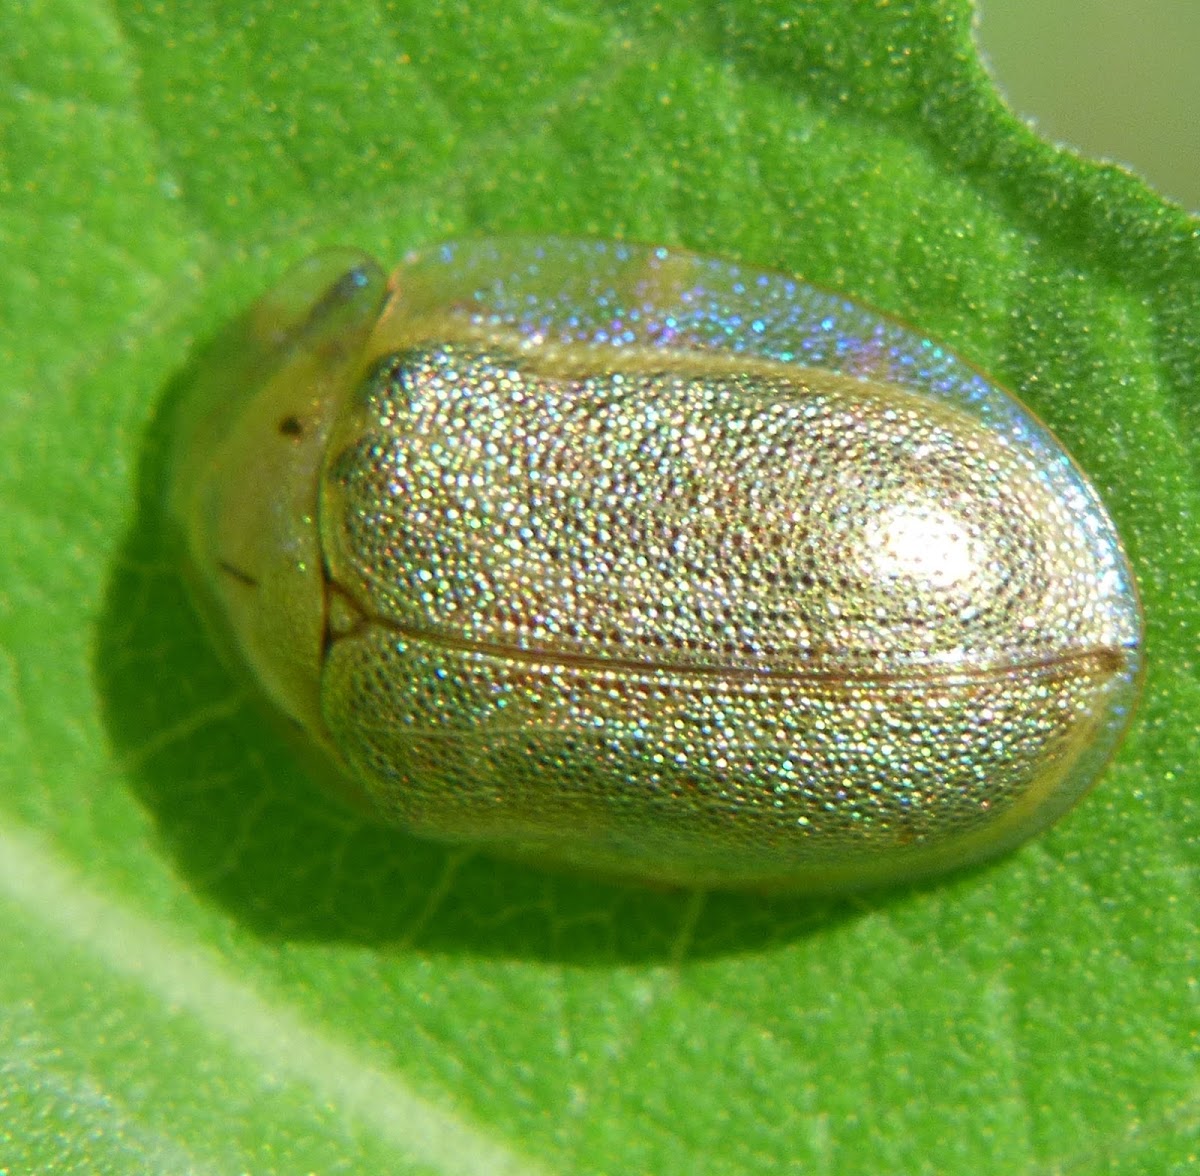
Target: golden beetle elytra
column 655, row 565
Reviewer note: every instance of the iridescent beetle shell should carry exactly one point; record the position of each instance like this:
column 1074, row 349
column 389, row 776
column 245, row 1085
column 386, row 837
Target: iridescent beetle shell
column 656, row 565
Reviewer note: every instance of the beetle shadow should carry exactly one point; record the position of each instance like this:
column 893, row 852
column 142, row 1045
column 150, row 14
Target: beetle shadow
column 248, row 827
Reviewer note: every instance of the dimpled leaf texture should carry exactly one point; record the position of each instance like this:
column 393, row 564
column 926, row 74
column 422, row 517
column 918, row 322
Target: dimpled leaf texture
column 210, row 967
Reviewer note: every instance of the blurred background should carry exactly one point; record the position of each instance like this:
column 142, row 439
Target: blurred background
column 1115, row 79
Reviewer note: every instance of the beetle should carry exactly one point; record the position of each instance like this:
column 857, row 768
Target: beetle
column 657, row 565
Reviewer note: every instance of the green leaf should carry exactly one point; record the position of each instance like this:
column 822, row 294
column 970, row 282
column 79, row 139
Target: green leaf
column 210, row 967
